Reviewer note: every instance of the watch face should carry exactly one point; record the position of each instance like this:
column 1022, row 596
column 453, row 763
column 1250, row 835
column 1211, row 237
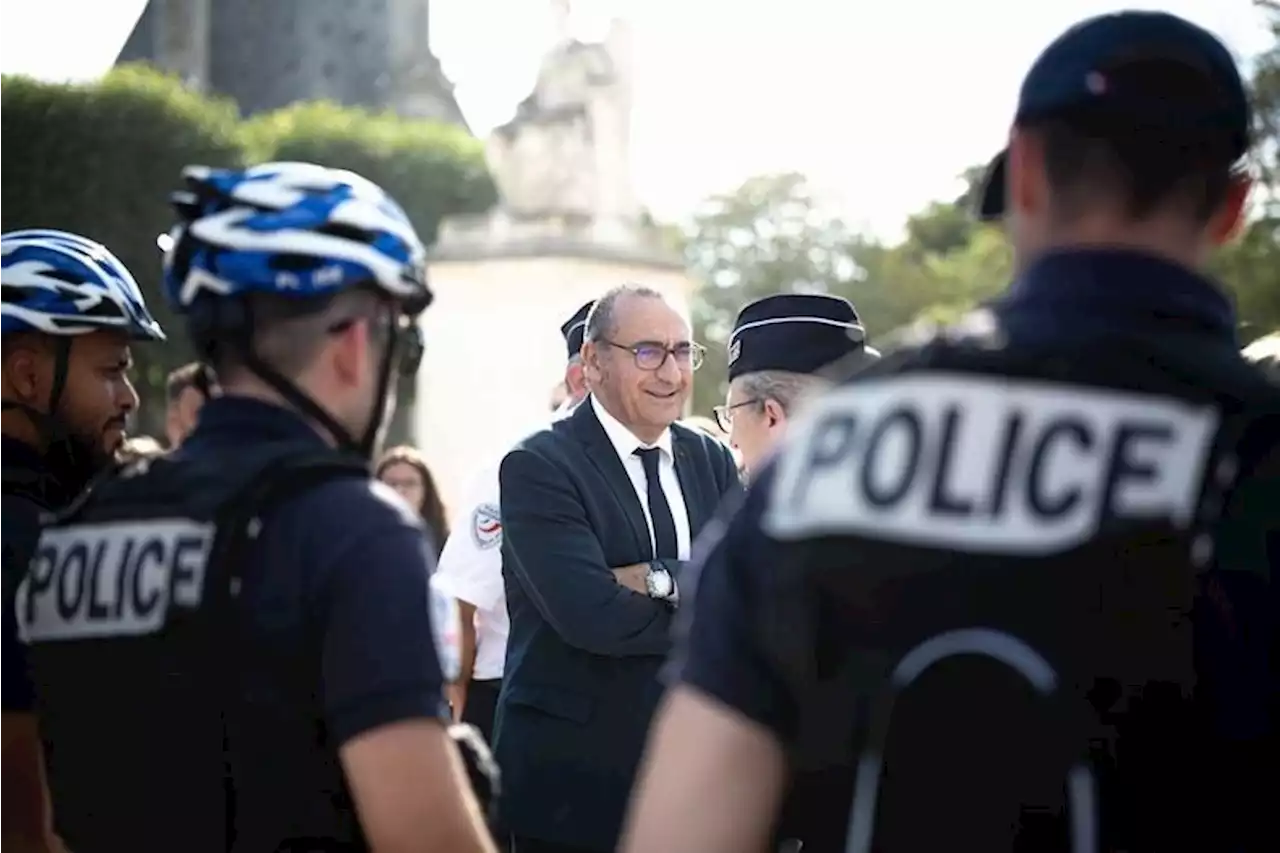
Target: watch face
column 661, row 584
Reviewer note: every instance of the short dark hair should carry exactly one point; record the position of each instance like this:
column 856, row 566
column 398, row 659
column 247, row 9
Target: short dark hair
column 182, row 378
column 1094, row 153
column 288, row 332
column 601, row 320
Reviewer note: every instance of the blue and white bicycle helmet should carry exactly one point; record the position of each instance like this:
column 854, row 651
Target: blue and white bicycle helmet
column 293, row 229
column 62, row 284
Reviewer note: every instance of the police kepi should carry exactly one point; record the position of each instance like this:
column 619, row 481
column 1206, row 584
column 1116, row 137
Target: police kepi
column 780, row 349
column 1014, row 576
column 232, row 643
column 575, row 328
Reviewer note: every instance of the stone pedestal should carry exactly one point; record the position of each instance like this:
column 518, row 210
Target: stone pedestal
column 493, row 348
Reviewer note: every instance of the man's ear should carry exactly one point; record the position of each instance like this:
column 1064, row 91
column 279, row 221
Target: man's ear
column 774, row 412
column 590, row 358
column 28, row 373
column 575, row 378
column 1026, row 187
column 1228, row 222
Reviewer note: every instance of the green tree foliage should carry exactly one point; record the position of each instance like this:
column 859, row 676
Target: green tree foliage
column 434, row 170
column 100, row 159
column 772, row 236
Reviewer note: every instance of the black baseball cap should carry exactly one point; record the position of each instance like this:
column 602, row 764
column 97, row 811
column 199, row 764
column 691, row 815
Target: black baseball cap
column 1082, row 68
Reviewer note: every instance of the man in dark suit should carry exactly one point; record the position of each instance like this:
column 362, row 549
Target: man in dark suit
column 598, row 512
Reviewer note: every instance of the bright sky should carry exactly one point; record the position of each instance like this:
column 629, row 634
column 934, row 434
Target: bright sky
column 882, row 104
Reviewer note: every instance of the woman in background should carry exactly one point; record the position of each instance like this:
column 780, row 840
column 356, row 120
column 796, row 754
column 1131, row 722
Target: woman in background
column 404, row 469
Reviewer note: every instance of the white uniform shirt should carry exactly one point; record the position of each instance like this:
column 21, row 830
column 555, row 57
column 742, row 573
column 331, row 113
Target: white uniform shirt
column 470, row 568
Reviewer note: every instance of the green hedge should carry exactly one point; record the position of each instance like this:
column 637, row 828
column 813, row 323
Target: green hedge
column 100, row 159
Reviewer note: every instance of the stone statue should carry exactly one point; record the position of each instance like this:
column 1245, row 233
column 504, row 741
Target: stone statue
column 566, row 152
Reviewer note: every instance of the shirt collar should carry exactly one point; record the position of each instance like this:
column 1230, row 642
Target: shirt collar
column 1120, row 285
column 623, row 440
column 244, row 418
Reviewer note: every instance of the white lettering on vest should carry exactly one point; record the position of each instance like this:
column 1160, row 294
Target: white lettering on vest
column 987, row 465
column 112, row 580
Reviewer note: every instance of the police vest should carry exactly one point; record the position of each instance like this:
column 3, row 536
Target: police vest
column 126, row 609
column 995, row 564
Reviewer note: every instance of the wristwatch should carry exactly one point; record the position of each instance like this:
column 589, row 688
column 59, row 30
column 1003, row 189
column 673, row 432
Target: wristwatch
column 658, row 582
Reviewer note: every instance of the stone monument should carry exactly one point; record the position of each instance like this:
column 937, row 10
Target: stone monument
column 568, row 227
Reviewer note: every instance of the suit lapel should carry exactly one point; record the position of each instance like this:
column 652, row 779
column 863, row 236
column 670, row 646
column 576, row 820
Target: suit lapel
column 692, row 483
column 603, row 455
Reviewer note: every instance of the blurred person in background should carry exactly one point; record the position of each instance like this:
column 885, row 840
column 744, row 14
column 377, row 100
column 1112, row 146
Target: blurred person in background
column 559, row 395
column 186, row 389
column 471, row 565
column 470, row 570
column 70, row 315
column 405, row 470
column 777, row 350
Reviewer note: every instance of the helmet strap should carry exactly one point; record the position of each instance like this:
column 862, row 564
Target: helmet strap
column 292, row 394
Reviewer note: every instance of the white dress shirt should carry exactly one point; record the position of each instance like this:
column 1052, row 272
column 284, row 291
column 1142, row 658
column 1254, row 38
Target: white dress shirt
column 626, row 444
column 470, row 567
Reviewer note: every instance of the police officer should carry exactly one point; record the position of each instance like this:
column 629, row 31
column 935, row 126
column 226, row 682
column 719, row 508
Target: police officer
column 70, row 312
column 233, row 641
column 1025, row 544
column 470, row 569
column 776, row 350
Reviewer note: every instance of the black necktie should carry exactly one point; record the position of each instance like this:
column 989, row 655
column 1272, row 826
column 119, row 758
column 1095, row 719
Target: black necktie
column 664, row 525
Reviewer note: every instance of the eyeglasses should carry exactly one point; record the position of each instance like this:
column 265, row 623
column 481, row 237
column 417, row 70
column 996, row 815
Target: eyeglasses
column 651, row 355
column 724, row 414
column 403, row 333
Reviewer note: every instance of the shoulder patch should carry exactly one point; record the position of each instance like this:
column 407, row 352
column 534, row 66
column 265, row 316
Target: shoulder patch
column 486, row 526
column 987, row 464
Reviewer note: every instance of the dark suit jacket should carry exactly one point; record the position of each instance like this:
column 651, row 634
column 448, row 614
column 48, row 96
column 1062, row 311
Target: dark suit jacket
column 581, row 679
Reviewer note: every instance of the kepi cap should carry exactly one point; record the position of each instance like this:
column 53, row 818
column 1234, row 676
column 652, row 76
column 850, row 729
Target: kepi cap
column 575, row 328
column 795, row 332
column 1077, row 70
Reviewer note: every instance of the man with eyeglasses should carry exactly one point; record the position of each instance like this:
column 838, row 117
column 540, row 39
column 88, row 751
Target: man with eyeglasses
column 777, row 349
column 598, row 513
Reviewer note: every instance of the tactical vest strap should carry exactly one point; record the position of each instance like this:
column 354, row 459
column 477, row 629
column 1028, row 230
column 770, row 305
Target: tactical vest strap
column 22, row 483
column 240, row 519
column 241, row 515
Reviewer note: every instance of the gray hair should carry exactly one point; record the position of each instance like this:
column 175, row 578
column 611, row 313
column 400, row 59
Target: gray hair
column 602, row 319
column 782, row 386
column 1264, row 354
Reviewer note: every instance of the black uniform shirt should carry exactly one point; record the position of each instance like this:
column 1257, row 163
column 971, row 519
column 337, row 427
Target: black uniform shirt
column 21, row 521
column 337, row 630
column 1066, row 305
